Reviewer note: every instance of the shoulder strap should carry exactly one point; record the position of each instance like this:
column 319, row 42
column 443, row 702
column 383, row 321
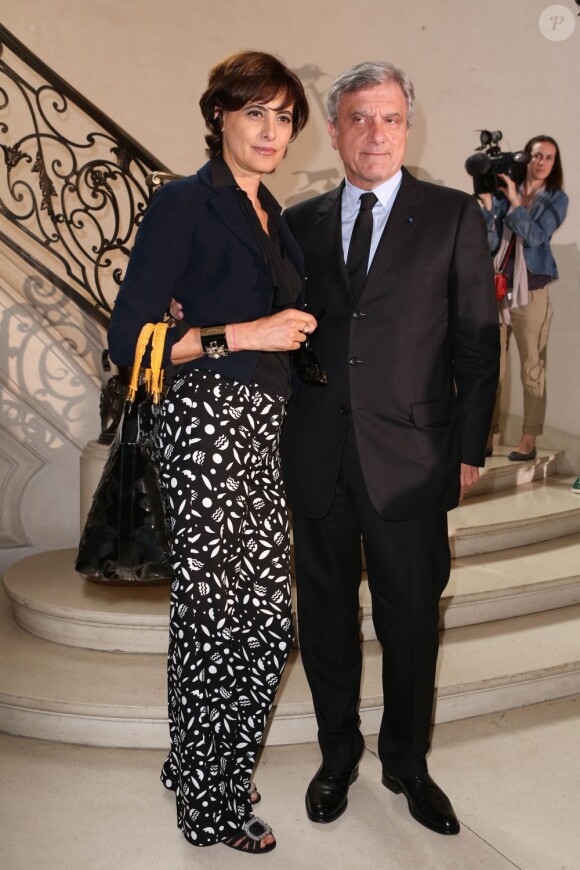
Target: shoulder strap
column 507, row 253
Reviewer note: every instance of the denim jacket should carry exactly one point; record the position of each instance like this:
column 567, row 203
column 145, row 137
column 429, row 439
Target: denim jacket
column 535, row 227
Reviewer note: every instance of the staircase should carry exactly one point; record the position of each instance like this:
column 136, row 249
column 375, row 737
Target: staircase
column 84, row 663
column 73, row 190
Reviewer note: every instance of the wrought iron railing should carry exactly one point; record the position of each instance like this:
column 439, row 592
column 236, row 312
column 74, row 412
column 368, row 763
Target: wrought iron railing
column 72, row 180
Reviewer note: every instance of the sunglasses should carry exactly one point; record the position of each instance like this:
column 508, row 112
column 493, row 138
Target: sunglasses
column 306, row 363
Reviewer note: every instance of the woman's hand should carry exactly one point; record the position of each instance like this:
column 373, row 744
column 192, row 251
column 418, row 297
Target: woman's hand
column 510, row 191
column 176, row 309
column 486, row 199
column 277, row 332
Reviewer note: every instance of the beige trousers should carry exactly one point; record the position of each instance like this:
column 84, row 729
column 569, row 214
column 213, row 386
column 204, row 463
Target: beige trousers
column 530, row 326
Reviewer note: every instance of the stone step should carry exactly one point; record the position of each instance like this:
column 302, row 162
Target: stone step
column 53, row 602
column 515, row 582
column 482, row 669
column 55, row 692
column 50, row 600
column 494, row 586
column 501, row 473
column 538, row 511
column 52, row 692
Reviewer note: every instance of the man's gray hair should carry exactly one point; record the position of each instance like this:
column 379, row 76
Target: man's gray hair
column 367, row 75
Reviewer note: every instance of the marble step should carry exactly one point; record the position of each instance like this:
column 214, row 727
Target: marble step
column 513, row 582
column 501, row 473
column 500, row 585
column 51, row 691
column 538, row 511
column 52, row 602
column 481, row 669
column 54, row 692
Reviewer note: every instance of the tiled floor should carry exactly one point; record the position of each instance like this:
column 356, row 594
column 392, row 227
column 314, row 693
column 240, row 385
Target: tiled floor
column 514, row 779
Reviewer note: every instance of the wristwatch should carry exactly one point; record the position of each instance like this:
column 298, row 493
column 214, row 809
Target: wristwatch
column 213, row 341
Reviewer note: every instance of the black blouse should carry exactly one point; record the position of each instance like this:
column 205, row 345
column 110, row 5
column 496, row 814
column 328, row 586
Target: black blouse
column 272, row 374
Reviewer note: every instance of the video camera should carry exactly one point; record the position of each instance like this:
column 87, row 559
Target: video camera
column 490, row 161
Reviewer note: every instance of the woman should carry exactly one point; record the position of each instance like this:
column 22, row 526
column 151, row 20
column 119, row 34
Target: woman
column 216, row 241
column 520, row 227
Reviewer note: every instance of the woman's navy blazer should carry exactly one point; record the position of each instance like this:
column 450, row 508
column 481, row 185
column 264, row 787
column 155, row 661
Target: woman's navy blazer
column 195, row 244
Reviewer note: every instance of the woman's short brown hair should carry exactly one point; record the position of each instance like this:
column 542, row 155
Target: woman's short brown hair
column 245, row 77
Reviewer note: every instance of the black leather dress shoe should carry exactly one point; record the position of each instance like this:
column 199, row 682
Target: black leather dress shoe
column 427, row 803
column 326, row 797
column 522, row 457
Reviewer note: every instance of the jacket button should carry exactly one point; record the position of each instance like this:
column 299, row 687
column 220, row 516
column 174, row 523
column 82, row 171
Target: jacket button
column 354, row 361
column 344, row 409
column 357, row 315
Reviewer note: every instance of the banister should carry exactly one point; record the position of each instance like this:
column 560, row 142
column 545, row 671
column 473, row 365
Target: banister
column 73, row 181
column 39, row 66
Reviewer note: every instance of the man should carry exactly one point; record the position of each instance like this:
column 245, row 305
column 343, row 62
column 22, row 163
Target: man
column 393, row 441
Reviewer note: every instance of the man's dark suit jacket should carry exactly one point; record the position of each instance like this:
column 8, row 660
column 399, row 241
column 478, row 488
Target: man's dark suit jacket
column 413, row 362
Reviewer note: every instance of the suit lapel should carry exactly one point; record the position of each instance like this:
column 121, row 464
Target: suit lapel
column 291, row 247
column 327, row 232
column 405, row 217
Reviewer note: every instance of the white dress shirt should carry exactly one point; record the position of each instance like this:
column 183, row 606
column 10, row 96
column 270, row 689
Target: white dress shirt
column 386, row 194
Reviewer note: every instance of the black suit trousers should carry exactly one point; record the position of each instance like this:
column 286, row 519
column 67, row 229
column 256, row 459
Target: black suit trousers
column 408, row 567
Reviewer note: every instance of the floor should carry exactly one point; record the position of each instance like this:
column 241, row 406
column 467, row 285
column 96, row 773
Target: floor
column 514, row 779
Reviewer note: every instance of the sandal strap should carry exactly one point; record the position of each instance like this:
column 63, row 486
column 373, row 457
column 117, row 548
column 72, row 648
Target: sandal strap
column 256, row 828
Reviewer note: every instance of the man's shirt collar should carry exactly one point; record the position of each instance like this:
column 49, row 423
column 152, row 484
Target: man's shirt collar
column 384, row 192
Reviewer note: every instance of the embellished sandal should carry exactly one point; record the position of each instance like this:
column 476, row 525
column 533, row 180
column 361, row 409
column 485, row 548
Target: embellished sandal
column 249, row 837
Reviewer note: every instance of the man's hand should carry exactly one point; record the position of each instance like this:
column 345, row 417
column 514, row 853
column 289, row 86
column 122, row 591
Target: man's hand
column 469, row 476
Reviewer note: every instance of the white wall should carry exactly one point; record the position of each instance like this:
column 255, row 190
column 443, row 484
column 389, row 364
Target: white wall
column 474, row 64
column 49, row 401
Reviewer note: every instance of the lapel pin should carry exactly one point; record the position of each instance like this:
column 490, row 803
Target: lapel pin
column 410, row 220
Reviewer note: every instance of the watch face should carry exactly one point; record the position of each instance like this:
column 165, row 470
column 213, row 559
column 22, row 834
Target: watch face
column 213, row 341
column 215, row 349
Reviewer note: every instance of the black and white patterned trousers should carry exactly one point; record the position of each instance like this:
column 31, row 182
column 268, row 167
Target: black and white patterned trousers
column 230, row 621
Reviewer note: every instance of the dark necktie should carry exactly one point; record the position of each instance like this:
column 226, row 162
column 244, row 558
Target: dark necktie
column 357, row 260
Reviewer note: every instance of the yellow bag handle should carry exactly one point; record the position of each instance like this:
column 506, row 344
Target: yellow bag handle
column 156, row 384
column 153, row 375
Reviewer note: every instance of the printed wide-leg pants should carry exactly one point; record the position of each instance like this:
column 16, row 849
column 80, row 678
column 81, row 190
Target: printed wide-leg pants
column 230, row 619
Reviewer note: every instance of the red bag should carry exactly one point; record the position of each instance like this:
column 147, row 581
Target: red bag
column 500, row 286
column 500, row 277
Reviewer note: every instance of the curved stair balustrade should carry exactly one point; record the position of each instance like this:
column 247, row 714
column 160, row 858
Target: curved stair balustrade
column 73, row 181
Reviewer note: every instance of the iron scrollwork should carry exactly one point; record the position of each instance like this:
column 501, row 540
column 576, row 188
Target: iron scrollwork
column 72, row 180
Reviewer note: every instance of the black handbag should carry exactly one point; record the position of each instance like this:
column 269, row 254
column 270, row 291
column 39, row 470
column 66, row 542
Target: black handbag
column 124, row 542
